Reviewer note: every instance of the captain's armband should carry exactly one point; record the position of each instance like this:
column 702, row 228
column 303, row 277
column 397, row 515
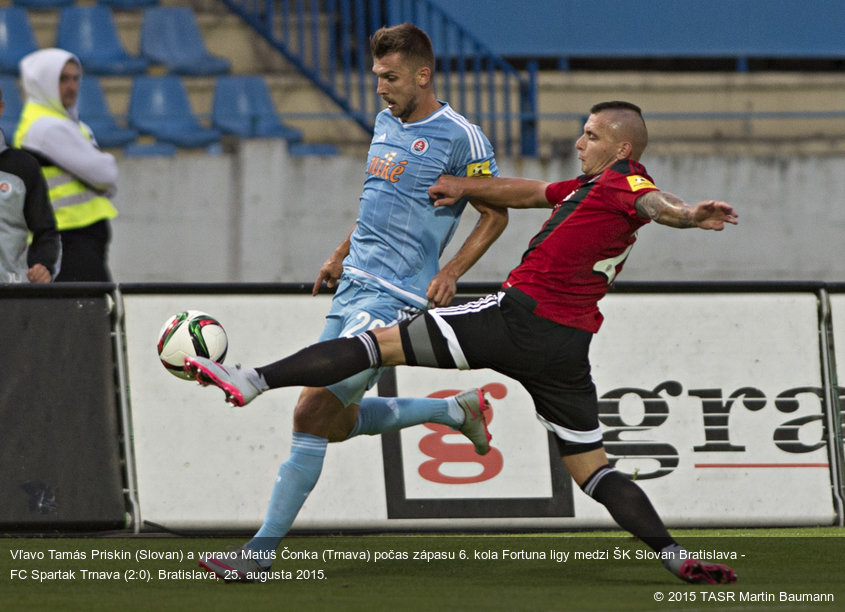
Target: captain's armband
column 479, row 169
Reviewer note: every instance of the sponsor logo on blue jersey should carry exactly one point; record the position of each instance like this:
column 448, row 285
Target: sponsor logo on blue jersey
column 386, row 168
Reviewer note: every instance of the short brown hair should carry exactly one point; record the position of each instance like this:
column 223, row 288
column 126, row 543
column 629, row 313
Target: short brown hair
column 616, row 105
column 627, row 123
column 407, row 39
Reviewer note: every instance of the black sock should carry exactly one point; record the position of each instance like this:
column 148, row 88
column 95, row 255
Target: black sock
column 324, row 363
column 628, row 505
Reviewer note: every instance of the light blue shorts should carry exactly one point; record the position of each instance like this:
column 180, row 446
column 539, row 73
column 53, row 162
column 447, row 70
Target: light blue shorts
column 356, row 308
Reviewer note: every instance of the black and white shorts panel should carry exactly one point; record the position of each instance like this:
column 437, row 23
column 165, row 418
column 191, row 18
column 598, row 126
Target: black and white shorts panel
column 550, row 360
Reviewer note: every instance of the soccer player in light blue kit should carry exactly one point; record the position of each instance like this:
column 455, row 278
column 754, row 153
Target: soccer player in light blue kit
column 385, row 270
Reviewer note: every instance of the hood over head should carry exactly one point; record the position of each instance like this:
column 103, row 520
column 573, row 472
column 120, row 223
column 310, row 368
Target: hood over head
column 40, row 72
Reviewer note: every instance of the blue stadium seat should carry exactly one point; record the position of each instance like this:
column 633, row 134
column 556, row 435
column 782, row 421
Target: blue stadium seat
column 16, row 38
column 319, row 149
column 42, row 4
column 14, row 105
column 151, row 149
column 128, row 4
column 90, row 33
column 170, row 36
column 159, row 106
column 94, row 110
column 243, row 106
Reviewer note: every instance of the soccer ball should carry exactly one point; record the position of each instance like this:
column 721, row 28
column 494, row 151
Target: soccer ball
column 190, row 334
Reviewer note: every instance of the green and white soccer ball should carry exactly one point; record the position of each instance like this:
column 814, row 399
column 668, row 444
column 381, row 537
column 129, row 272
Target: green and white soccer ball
column 191, row 333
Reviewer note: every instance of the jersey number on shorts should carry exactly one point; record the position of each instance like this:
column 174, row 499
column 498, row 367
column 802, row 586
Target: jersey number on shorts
column 365, row 322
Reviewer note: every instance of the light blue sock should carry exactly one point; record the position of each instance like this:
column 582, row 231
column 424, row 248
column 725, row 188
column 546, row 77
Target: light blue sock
column 378, row 415
column 297, row 476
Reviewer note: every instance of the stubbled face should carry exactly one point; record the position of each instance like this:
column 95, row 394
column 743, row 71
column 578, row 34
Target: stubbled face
column 69, row 83
column 398, row 86
column 598, row 147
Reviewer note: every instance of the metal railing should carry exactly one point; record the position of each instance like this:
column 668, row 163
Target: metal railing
column 328, row 42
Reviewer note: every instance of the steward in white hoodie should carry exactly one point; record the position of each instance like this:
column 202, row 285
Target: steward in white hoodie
column 81, row 178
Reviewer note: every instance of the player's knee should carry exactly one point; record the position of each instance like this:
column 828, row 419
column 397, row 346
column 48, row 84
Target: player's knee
column 320, row 413
column 581, row 459
column 591, row 483
column 389, row 345
column 312, row 408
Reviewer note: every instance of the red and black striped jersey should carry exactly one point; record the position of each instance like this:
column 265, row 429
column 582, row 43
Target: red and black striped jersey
column 581, row 248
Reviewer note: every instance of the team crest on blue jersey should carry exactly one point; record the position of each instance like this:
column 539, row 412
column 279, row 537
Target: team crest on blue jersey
column 419, row 146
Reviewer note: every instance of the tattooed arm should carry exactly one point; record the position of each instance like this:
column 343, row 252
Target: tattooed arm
column 668, row 209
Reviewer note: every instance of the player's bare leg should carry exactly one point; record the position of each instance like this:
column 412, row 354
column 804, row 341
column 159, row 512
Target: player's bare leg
column 320, row 413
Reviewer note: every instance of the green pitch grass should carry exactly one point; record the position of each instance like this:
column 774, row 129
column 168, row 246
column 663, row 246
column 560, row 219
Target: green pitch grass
column 778, row 569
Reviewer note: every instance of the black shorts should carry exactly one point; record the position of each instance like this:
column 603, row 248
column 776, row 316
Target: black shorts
column 501, row 332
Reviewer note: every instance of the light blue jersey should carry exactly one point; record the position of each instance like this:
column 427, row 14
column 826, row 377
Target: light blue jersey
column 400, row 235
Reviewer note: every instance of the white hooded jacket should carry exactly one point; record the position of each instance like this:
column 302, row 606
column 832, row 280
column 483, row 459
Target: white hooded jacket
column 60, row 140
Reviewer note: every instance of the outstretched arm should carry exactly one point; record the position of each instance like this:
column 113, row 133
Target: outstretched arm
column 332, row 269
column 490, row 226
column 668, row 209
column 494, row 191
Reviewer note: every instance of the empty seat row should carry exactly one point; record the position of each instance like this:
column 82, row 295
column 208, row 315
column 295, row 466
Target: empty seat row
column 170, row 37
column 54, row 4
column 159, row 107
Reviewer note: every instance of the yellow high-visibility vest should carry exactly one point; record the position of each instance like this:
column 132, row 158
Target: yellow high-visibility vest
column 75, row 204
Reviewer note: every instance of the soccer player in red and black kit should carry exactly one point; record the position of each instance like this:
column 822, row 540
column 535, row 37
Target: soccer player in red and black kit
column 537, row 330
